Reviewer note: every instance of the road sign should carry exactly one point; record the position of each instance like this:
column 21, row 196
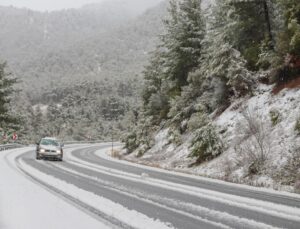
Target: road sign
column 15, row 136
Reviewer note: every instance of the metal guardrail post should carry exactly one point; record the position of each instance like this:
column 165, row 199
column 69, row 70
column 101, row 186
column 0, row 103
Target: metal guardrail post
column 9, row 146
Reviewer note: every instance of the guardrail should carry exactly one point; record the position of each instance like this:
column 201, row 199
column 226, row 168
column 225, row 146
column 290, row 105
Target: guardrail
column 15, row 146
column 83, row 142
column 10, row 146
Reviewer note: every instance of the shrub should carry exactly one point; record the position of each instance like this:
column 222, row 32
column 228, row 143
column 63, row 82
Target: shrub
column 290, row 173
column 131, row 142
column 158, row 107
column 197, row 120
column 267, row 58
column 275, row 117
column 297, row 186
column 295, row 42
column 253, row 146
column 206, row 144
column 175, row 137
column 116, row 154
column 297, row 126
column 142, row 150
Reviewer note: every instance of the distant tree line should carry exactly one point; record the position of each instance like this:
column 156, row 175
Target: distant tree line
column 86, row 111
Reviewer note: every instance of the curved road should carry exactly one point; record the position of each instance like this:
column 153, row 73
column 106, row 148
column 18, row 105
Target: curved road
column 180, row 201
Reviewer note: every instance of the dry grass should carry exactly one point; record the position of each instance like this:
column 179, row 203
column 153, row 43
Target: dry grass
column 253, row 146
column 116, row 154
column 295, row 83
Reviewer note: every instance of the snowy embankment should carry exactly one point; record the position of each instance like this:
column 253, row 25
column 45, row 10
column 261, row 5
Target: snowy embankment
column 280, row 139
column 23, row 204
column 263, row 207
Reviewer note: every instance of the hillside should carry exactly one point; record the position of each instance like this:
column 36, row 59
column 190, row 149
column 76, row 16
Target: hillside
column 77, row 63
column 100, row 41
column 280, row 139
column 221, row 94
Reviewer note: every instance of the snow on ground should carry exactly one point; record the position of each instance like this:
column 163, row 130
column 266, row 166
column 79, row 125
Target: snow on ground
column 32, row 205
column 281, row 139
column 106, row 155
column 276, row 210
column 205, row 212
column 25, row 205
column 129, row 217
column 163, row 154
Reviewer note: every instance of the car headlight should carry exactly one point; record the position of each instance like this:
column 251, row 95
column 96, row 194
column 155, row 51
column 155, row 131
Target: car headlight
column 42, row 150
column 58, row 151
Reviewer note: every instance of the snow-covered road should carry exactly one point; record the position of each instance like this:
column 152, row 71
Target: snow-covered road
column 24, row 204
column 91, row 190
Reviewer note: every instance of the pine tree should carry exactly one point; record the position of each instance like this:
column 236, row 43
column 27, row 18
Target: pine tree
column 182, row 41
column 176, row 56
column 291, row 10
column 153, row 76
column 38, row 126
column 22, row 106
column 7, row 120
column 54, row 120
column 253, row 28
column 220, row 58
column 154, row 93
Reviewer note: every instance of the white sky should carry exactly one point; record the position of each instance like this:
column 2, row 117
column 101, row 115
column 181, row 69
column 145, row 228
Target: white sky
column 43, row 5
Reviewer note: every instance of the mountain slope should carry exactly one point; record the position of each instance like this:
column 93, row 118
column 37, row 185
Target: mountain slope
column 106, row 40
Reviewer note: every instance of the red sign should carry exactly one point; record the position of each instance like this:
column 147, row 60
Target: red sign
column 15, row 136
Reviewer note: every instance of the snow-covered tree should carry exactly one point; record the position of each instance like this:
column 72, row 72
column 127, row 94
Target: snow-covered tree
column 206, row 144
column 7, row 119
column 291, row 39
column 176, row 56
column 220, row 58
column 155, row 98
column 182, row 42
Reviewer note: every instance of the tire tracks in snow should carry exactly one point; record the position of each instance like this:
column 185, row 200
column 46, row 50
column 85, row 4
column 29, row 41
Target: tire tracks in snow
column 190, row 210
column 285, row 213
column 112, row 222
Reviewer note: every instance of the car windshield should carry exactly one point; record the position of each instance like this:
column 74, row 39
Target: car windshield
column 48, row 142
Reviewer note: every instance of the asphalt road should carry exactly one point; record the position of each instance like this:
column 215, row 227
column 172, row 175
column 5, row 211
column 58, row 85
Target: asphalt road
column 153, row 194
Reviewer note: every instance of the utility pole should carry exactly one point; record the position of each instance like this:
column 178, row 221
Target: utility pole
column 113, row 117
column 112, row 139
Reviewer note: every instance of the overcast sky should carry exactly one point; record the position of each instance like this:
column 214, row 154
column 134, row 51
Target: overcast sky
column 43, row 5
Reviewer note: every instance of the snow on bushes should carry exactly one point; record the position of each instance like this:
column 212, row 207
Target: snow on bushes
column 206, row 144
column 297, row 126
column 275, row 117
column 253, row 146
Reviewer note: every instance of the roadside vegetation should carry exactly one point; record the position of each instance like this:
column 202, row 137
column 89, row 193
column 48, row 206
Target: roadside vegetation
column 9, row 121
column 214, row 59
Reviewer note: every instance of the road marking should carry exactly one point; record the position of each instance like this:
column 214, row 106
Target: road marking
column 223, row 217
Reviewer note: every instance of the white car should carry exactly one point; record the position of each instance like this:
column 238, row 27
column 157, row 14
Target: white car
column 49, row 148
